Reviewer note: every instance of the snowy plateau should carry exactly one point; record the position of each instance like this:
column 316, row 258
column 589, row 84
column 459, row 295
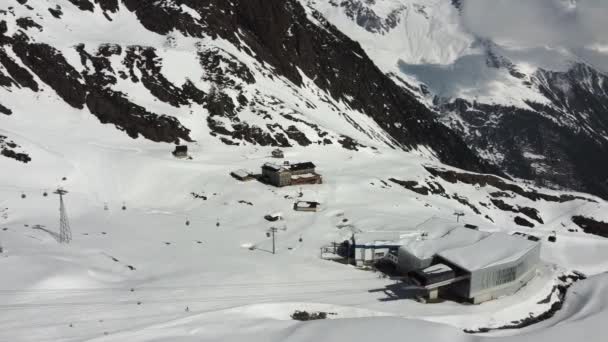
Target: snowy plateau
column 407, row 112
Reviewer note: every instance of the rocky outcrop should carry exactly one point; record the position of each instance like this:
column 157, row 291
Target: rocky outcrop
column 52, row 68
column 366, row 18
column 281, row 34
column 560, row 145
column 7, row 149
column 19, row 75
column 591, row 226
column 114, row 108
column 530, row 212
column 490, row 180
column 5, row 110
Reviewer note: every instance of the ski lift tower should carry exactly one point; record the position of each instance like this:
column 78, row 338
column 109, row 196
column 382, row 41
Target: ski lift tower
column 458, row 214
column 65, row 233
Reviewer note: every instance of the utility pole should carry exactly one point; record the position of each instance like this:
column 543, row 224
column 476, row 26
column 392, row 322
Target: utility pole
column 458, row 215
column 65, row 233
column 272, row 231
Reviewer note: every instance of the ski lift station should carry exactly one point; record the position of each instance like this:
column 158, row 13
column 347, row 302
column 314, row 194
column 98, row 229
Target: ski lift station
column 446, row 258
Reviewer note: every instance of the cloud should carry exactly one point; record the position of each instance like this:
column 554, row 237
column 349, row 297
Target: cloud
column 572, row 24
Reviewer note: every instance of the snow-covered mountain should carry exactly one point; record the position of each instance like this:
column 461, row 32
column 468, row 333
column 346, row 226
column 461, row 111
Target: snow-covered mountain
column 538, row 111
column 259, row 73
column 94, row 94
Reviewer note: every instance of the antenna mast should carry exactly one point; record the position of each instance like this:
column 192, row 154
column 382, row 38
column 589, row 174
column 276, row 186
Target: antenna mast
column 65, row 232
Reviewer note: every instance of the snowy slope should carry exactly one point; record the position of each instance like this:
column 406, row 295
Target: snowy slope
column 584, row 323
column 188, row 257
column 209, row 268
column 515, row 101
column 430, row 41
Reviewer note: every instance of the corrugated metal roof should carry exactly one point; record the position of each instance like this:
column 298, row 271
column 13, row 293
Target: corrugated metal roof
column 425, row 248
column 496, row 249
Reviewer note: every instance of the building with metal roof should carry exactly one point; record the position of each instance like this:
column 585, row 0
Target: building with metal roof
column 420, row 253
column 496, row 266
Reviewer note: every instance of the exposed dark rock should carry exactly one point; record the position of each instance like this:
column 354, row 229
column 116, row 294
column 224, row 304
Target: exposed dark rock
column 412, row 186
column 7, row 149
column 435, row 188
column 3, row 28
column 84, row 5
column 5, row 110
column 502, row 194
column 108, row 50
column 520, row 221
column 193, row 93
column 114, row 108
column 56, row 12
column 279, row 33
column 220, row 104
column 489, row 180
column 367, row 18
column 102, row 74
column 18, row 74
column 349, row 143
column 293, row 133
column 5, row 81
column 504, row 206
column 223, row 68
column 465, row 201
column 565, row 138
column 108, row 5
column 149, row 65
column 591, row 226
column 198, row 196
column 306, row 316
column 51, row 67
column 530, row 212
column 254, row 135
column 26, row 23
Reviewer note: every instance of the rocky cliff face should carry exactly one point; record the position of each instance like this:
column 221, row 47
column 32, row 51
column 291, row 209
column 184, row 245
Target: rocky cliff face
column 537, row 114
column 278, row 73
column 243, row 50
column 562, row 143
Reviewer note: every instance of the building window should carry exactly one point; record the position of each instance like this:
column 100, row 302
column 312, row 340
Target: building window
column 506, row 276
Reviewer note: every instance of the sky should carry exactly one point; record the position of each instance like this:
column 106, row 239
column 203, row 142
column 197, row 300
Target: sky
column 580, row 26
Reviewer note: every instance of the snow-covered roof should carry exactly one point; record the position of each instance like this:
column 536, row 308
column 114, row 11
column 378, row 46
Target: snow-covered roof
column 378, row 238
column 242, row 173
column 439, row 268
column 496, row 249
column 427, row 247
column 273, row 166
column 307, row 204
column 436, row 227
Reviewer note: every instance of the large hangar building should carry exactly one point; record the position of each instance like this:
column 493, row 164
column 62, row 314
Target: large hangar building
column 495, row 266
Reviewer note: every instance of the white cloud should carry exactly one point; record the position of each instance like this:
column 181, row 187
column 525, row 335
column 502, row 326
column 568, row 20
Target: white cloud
column 573, row 24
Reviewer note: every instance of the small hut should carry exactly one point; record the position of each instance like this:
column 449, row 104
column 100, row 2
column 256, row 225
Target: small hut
column 278, row 153
column 181, row 151
column 242, row 175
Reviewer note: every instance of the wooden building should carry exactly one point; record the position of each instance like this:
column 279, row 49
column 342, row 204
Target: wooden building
column 276, row 175
column 291, row 174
